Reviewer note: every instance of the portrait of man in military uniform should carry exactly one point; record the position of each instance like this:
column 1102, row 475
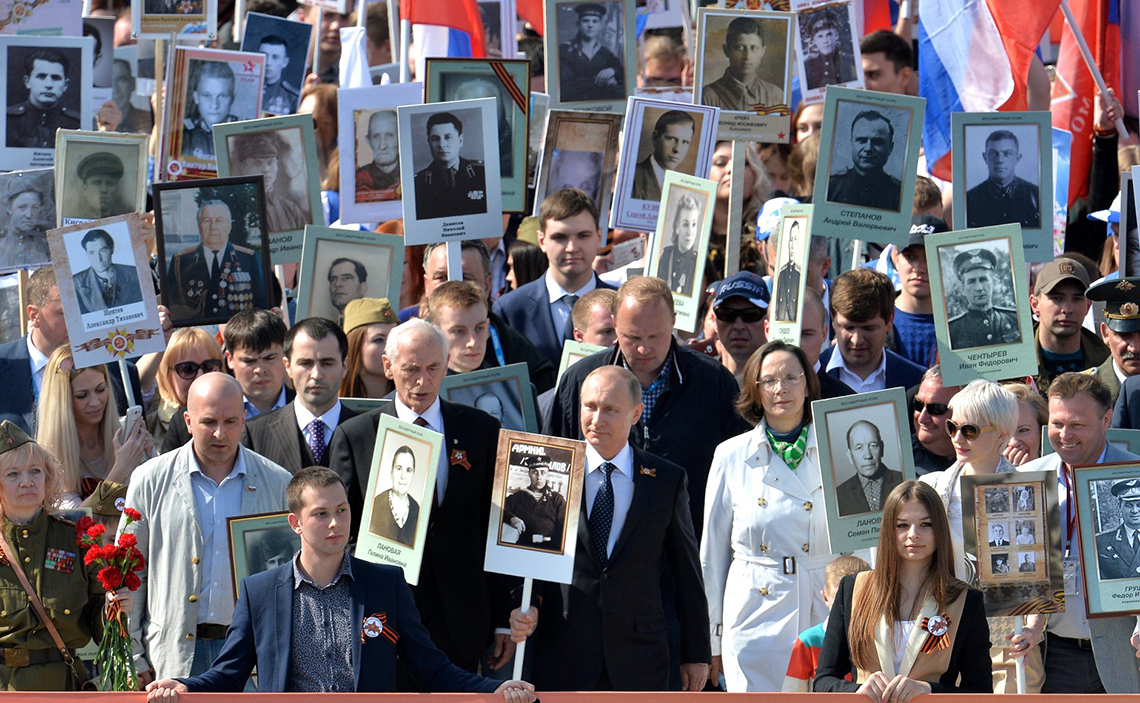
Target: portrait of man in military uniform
column 982, row 323
column 100, row 191
column 451, row 185
column 104, row 285
column 215, row 279
column 672, row 136
column 588, row 70
column 537, row 511
column 741, row 87
column 864, row 182
column 1118, row 548
column 788, row 277
column 379, row 179
column 829, row 58
column 262, row 154
column 37, row 96
column 279, row 96
column 1004, row 197
column 678, row 266
column 213, row 96
column 28, row 215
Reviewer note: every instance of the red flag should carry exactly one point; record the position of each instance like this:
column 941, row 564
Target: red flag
column 1022, row 23
column 462, row 15
column 531, row 11
column 876, row 15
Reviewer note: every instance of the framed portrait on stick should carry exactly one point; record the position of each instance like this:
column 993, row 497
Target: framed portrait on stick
column 591, row 53
column 342, row 265
column 579, row 151
column 1108, row 512
column 827, row 47
column 504, row 392
column 401, row 487
column 681, row 243
column 99, row 175
column 27, row 214
column 864, row 439
column 785, row 313
column 260, row 543
column 285, row 44
column 158, row 19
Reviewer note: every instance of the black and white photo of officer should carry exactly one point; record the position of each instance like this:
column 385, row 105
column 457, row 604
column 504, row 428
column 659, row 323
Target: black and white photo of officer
column 43, row 76
column 451, row 185
column 1004, row 197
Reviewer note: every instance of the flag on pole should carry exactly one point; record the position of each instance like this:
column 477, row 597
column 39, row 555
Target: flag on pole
column 462, row 16
column 531, row 11
column 354, row 71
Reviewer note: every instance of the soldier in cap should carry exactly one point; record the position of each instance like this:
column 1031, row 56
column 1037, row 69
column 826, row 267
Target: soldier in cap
column 104, row 284
column 1059, row 302
column 99, row 195
column 587, row 69
column 213, row 94
column 259, row 155
column 1120, row 331
column 1118, row 549
column 741, row 87
column 279, row 97
column 865, row 182
column 379, row 179
column 537, row 511
column 1003, row 197
column 23, row 238
column 982, row 324
column 33, row 122
column 451, row 185
column 829, row 62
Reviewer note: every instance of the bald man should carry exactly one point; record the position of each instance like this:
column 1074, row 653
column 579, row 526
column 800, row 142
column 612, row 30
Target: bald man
column 185, row 497
column 873, row 481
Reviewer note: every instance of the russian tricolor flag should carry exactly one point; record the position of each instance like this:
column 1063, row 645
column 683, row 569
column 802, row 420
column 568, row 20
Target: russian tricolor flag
column 451, row 28
column 974, row 56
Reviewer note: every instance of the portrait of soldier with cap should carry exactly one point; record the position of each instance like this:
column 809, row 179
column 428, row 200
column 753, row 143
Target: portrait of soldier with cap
column 537, row 510
column 213, row 97
column 740, row 87
column 100, row 193
column 1118, row 549
column 679, row 265
column 828, row 60
column 587, row 69
column 1120, row 331
column 262, row 154
column 451, row 185
column 279, row 96
column 28, row 215
column 36, row 89
column 104, row 285
column 864, row 182
column 379, row 179
column 1004, row 197
column 982, row 323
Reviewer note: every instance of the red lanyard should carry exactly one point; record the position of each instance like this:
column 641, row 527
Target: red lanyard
column 1070, row 508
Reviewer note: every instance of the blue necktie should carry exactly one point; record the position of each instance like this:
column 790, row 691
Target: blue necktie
column 316, row 430
column 602, row 515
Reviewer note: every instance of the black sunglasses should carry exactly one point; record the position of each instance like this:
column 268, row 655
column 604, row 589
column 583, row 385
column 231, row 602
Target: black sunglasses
column 749, row 315
column 188, row 370
column 970, row 432
column 935, row 409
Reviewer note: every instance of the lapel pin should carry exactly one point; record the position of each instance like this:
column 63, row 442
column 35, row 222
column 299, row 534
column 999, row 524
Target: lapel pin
column 652, row 473
column 251, row 489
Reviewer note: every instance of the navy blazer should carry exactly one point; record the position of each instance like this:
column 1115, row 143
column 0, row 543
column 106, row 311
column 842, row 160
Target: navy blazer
column 901, row 372
column 527, row 309
column 261, row 634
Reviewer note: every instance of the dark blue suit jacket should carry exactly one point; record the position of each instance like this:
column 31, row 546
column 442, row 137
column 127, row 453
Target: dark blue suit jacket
column 261, row 633
column 901, row 372
column 527, row 310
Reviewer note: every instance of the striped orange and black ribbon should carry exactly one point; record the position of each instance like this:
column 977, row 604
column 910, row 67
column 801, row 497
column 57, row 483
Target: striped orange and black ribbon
column 934, row 642
column 385, row 631
column 516, row 92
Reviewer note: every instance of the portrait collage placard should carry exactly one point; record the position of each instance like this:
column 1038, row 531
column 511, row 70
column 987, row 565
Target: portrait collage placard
column 205, row 88
column 99, row 175
column 48, row 87
column 158, row 19
column 449, row 170
column 785, row 313
column 342, row 265
column 744, row 67
column 983, row 323
column 508, row 82
column 591, row 53
column 579, row 151
column 1108, row 510
column 533, row 531
column 827, row 47
column 574, row 351
column 1005, row 525
column 285, row 44
column 1003, row 174
column 680, row 245
column 27, row 215
column 213, row 249
column 106, row 289
column 43, row 18
column 865, row 435
column 401, row 487
column 283, row 150
column 503, row 392
column 370, row 181
column 259, row 543
column 659, row 137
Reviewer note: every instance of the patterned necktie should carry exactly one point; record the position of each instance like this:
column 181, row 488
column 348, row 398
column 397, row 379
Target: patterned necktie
column 316, row 430
column 421, row 422
column 602, row 515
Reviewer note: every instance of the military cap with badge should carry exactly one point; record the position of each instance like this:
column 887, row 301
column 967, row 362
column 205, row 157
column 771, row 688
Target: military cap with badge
column 1121, row 298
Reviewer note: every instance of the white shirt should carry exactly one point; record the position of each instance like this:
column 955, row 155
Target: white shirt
column 331, row 418
column 658, row 169
column 1119, row 374
column 434, row 418
column 215, row 503
column 1072, row 622
column 559, row 310
column 876, row 381
column 622, row 481
column 39, row 362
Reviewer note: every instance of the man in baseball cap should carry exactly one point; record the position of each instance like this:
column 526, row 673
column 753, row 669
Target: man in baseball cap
column 1059, row 302
column 913, row 336
column 740, row 306
column 1120, row 330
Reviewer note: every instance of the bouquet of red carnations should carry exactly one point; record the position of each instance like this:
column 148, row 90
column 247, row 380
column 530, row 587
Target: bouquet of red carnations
column 119, row 563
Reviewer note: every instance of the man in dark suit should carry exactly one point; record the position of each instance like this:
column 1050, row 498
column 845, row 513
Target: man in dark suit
column 1118, row 549
column 450, row 185
column 104, row 285
column 279, row 620
column 672, row 135
column 298, row 435
column 999, row 538
column 568, row 234
column 460, row 603
column 866, row 491
column 608, row 631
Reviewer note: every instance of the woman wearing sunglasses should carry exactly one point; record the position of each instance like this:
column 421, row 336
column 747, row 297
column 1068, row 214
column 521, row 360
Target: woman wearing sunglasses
column 1032, row 415
column 765, row 542
column 190, row 353
column 983, row 416
column 909, row 626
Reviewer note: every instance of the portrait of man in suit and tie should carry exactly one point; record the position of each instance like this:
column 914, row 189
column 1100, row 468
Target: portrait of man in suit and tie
column 873, row 481
column 788, row 277
column 998, row 537
column 395, row 513
column 671, row 137
column 104, row 284
column 1118, row 548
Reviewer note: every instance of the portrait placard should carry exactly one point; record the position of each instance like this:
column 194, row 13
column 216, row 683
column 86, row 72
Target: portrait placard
column 285, row 44
column 370, row 181
column 259, row 543
column 503, row 392
column 508, row 82
column 213, row 249
column 861, row 436
column 785, row 314
column 106, row 289
column 1128, row 253
column 102, row 30
column 1006, row 521
column 659, row 136
column 591, row 53
column 574, row 351
column 364, row 405
column 1128, row 440
column 342, row 265
column 1003, row 173
column 158, row 19
column 579, row 151
column 99, row 175
column 401, row 487
column 681, row 244
column 868, row 160
column 983, row 320
column 500, row 27
column 48, row 88
column 284, row 151
column 449, row 170
column 27, row 215
column 205, row 88
column 536, row 129
column 744, row 67
column 41, row 18
column 1108, row 510
column 533, row 531
column 827, row 47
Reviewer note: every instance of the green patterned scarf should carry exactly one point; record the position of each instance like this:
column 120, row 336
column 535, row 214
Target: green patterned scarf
column 791, row 452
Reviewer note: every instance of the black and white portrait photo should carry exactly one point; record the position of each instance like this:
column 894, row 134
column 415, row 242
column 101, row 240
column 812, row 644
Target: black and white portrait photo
column 343, row 271
column 570, row 168
column 999, row 563
column 27, row 213
column 279, row 157
column 863, row 469
column 1027, row 562
column 106, row 276
column 1116, row 504
column 997, row 500
column 501, row 399
column 450, row 178
column 44, row 93
column 981, row 307
column 269, row 547
column 666, row 138
column 580, row 150
column 788, row 271
column 213, row 99
column 744, row 62
column 1023, row 499
column 465, row 86
column 395, row 508
column 102, row 30
column 535, row 509
column 680, row 265
column 591, row 63
column 285, row 44
column 1025, row 532
column 999, row 534
column 1003, row 175
column 829, row 47
column 377, row 155
column 868, row 152
column 101, row 179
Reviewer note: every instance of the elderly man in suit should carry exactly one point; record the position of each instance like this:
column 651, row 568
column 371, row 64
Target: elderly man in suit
column 873, row 481
column 1118, row 549
column 104, row 284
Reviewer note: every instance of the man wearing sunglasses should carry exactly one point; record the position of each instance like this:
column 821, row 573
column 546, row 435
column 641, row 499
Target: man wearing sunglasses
column 740, row 307
column 931, row 445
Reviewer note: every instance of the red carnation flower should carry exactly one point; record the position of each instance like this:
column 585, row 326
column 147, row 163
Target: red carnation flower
column 132, row 513
column 96, row 531
column 131, row 581
column 91, row 556
column 85, row 523
column 107, row 552
column 128, row 540
column 111, row 578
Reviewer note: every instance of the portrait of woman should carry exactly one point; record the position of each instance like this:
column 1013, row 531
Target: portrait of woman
column 678, row 265
column 395, row 512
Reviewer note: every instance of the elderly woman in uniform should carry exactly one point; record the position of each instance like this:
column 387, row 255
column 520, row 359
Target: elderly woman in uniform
column 765, row 544
column 44, row 546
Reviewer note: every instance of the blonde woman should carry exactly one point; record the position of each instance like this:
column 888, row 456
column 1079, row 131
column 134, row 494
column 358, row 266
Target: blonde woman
column 190, row 353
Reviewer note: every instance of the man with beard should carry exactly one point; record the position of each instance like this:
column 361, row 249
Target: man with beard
column 279, row 97
column 741, row 87
column 259, row 155
column 23, row 239
column 865, row 182
column 104, row 284
column 100, row 175
column 1058, row 301
column 982, row 324
column 866, row 491
column 32, row 123
column 379, row 178
column 1120, row 332
column 672, row 136
column 348, row 281
column 537, row 511
column 213, row 94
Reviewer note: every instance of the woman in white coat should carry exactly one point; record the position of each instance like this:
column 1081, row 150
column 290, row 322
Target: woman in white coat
column 765, row 542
